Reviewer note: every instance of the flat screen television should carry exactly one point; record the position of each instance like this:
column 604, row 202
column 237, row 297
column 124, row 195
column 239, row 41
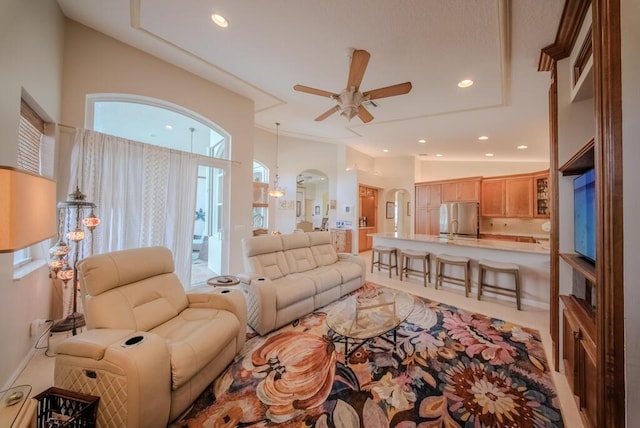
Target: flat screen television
column 584, row 215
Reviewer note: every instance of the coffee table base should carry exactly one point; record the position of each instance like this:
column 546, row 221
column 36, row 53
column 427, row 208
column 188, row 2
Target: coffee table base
column 358, row 343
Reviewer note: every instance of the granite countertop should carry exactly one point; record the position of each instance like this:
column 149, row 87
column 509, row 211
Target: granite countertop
column 471, row 242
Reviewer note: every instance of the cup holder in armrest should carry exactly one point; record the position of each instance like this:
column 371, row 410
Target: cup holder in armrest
column 132, row 341
column 225, row 291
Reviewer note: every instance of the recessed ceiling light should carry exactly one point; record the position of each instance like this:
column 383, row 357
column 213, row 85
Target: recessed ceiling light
column 483, row 137
column 422, row 141
column 322, row 178
column 523, row 147
column 220, row 20
column 168, row 127
column 439, row 155
column 488, row 154
column 465, row 83
column 386, row 150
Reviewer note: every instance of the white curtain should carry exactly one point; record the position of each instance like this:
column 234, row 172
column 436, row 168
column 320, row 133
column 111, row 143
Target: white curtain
column 145, row 195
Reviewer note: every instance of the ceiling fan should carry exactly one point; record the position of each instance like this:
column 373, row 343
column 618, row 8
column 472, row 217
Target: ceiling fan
column 350, row 100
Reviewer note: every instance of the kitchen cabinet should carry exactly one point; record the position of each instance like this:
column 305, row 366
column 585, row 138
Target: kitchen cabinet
column 341, row 240
column 492, row 203
column 579, row 357
column 427, row 215
column 519, row 197
column 365, row 242
column 461, row 190
column 541, row 193
column 508, row 196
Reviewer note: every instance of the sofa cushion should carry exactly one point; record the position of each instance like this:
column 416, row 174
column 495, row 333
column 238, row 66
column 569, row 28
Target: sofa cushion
column 300, row 260
column 294, row 240
column 324, row 278
column 348, row 270
column 270, row 265
column 293, row 289
column 195, row 338
column 324, row 254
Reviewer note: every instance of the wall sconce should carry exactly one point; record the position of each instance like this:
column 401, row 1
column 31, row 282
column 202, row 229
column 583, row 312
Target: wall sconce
column 27, row 209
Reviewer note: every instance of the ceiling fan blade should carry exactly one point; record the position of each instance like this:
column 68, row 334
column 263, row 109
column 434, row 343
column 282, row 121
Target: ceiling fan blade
column 359, row 61
column 388, row 91
column 314, row 91
column 364, row 114
column 327, row 113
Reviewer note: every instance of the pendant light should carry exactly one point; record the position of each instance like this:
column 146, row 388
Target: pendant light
column 276, row 191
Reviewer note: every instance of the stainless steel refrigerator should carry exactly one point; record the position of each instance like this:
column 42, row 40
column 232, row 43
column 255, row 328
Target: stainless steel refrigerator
column 459, row 219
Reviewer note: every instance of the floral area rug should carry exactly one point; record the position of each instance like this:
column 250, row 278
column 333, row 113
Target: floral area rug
column 451, row 368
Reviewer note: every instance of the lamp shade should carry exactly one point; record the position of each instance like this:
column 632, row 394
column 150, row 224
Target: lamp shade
column 27, row 209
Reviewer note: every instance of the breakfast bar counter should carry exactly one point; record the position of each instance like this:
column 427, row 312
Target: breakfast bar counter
column 532, row 258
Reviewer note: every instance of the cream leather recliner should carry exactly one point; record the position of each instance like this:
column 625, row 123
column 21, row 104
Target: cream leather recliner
column 151, row 348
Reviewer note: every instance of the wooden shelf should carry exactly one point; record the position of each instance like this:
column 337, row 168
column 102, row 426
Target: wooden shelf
column 587, row 269
column 580, row 162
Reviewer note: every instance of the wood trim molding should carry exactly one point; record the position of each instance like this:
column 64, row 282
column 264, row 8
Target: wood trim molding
column 572, row 15
column 554, row 312
column 586, row 51
column 580, row 162
column 610, row 233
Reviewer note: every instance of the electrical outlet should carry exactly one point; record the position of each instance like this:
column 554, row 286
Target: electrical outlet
column 36, row 326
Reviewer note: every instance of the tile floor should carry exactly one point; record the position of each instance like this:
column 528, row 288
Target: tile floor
column 39, row 371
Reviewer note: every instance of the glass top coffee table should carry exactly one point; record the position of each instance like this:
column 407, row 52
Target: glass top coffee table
column 360, row 318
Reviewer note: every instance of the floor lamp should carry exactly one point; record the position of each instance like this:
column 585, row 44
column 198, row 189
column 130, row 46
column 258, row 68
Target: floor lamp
column 74, row 215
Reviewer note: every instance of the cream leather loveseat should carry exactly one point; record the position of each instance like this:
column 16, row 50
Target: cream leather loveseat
column 151, row 348
column 288, row 276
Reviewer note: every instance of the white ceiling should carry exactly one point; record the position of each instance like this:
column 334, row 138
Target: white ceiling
column 270, row 46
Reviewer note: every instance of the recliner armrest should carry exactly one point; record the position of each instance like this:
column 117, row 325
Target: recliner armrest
column 225, row 299
column 246, row 278
column 93, row 343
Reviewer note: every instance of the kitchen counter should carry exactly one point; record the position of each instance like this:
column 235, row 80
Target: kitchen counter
column 470, row 242
column 533, row 260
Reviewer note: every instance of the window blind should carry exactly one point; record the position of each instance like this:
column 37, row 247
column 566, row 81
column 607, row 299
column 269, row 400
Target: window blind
column 30, row 132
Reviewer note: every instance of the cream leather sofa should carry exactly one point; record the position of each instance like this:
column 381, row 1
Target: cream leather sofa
column 289, row 276
column 151, row 348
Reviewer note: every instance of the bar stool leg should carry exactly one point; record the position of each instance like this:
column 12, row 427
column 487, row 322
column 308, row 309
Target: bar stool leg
column 438, row 273
column 424, row 270
column 517, row 275
column 480, row 280
column 467, row 279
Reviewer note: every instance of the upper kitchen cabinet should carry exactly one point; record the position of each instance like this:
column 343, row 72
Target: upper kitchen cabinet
column 467, row 190
column 522, row 195
column 493, row 197
column 541, row 193
column 519, row 197
column 427, row 211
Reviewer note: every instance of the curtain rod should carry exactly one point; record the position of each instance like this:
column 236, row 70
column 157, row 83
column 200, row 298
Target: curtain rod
column 231, row 161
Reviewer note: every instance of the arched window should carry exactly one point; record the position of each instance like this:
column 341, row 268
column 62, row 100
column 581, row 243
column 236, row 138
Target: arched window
column 164, row 124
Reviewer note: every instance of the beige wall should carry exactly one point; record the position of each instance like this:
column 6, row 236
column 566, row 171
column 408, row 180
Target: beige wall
column 630, row 27
column 95, row 63
column 31, row 43
column 445, row 170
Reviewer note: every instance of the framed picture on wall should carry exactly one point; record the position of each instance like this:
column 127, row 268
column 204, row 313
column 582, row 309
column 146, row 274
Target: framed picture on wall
column 317, row 210
column 390, row 209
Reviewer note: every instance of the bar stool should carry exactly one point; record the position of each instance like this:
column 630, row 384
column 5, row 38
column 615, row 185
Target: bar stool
column 381, row 251
column 498, row 267
column 405, row 264
column 465, row 262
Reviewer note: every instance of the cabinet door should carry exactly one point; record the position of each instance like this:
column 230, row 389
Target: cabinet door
column 449, row 192
column 468, row 191
column 422, row 221
column 492, row 203
column 589, row 381
column 570, row 340
column 422, row 196
column 519, row 200
column 434, row 198
column 433, row 221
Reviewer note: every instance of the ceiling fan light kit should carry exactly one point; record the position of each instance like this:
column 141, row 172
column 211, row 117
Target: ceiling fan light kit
column 350, row 101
